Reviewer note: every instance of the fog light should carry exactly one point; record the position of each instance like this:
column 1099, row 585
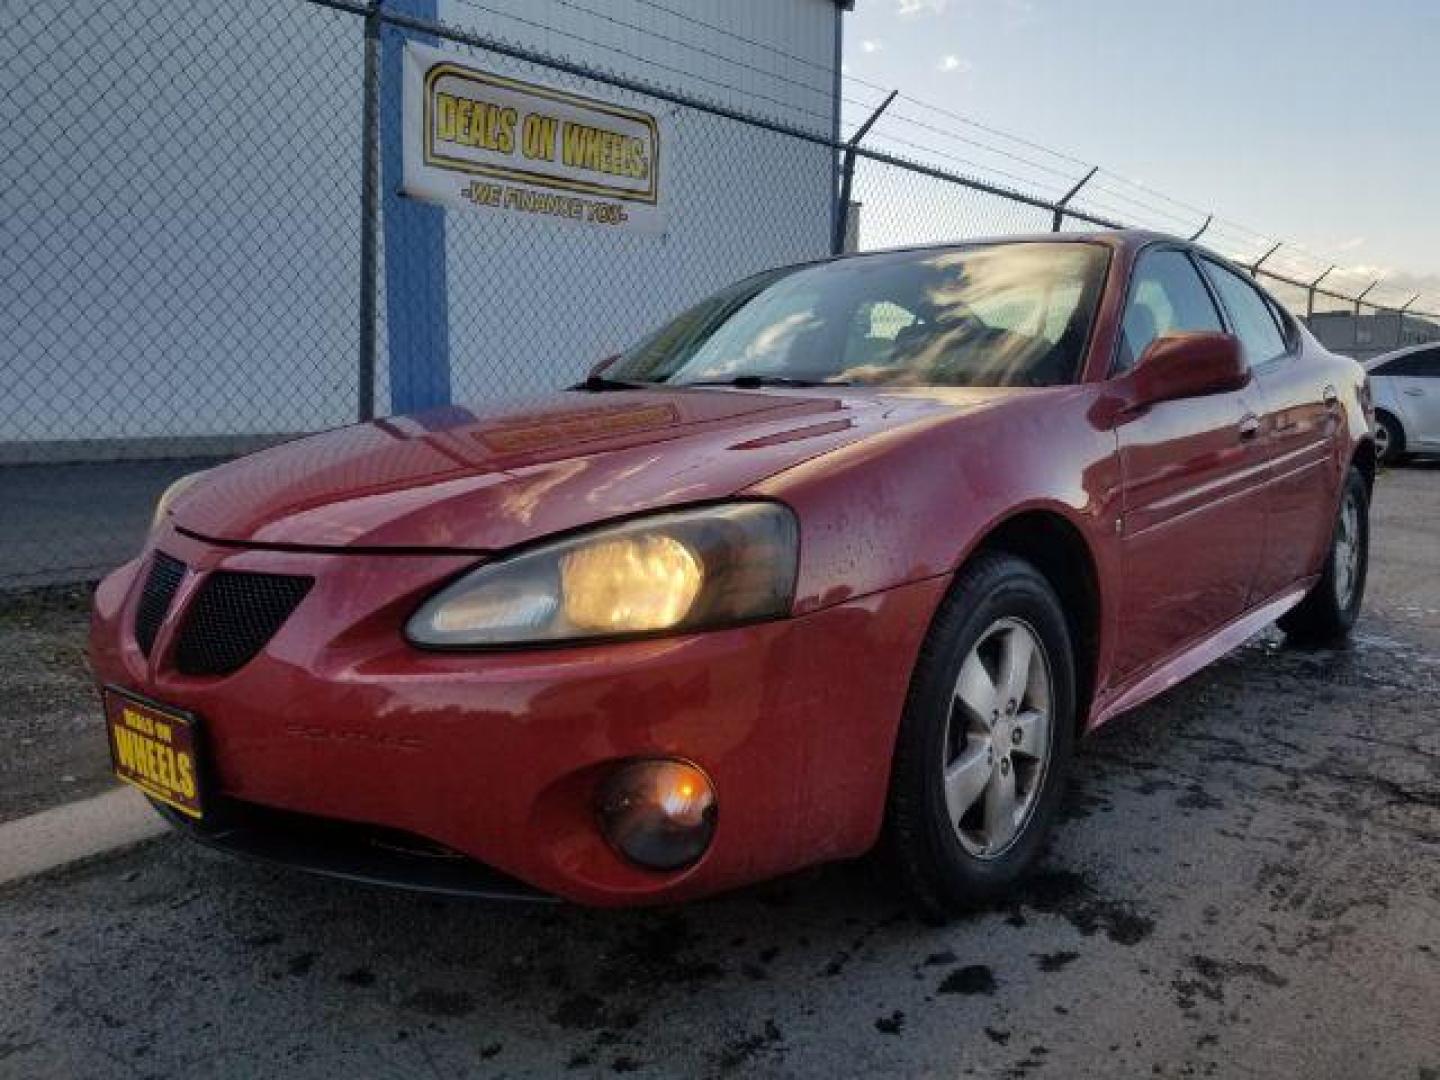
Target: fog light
column 658, row 814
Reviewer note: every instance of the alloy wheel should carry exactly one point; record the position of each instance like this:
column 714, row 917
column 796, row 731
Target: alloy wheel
column 1348, row 544
column 998, row 738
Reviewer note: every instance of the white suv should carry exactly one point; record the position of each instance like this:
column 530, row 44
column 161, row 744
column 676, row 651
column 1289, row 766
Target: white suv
column 1406, row 388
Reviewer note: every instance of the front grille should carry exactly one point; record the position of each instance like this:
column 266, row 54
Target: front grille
column 160, row 585
column 231, row 618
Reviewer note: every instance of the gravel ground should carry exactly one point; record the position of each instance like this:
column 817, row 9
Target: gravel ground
column 1246, row 883
column 48, row 704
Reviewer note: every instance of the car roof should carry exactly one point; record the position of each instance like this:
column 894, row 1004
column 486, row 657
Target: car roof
column 1132, row 239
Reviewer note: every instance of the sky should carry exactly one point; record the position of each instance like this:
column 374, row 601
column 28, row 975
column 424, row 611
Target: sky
column 1311, row 121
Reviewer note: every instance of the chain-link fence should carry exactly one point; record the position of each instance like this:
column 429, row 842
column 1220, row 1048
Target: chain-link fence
column 203, row 247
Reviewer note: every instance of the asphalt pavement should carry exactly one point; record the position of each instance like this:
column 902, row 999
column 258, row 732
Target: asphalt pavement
column 1246, row 884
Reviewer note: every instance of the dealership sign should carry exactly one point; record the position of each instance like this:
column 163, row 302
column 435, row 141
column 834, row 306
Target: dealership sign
column 483, row 141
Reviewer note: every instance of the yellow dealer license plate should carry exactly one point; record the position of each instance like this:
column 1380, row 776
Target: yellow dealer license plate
column 154, row 748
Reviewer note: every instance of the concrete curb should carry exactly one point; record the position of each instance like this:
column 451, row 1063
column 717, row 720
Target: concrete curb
column 75, row 831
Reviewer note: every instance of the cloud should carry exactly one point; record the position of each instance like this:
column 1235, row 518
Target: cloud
column 1351, row 244
column 1367, row 270
column 909, row 8
column 869, row 45
column 951, row 62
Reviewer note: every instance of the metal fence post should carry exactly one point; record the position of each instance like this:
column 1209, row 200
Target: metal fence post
column 1059, row 218
column 1310, row 293
column 369, row 215
column 1400, row 321
column 1255, row 266
column 847, row 176
column 1364, row 294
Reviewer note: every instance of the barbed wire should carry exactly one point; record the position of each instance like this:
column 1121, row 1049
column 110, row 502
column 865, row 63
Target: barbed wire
column 828, row 69
column 1106, row 190
column 826, row 91
column 787, row 107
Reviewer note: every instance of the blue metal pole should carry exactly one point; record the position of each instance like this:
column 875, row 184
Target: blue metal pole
column 417, row 311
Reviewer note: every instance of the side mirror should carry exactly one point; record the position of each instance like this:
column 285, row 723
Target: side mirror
column 1177, row 366
column 601, row 366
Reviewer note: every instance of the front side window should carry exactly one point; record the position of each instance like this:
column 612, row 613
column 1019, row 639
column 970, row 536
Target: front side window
column 988, row 315
column 1166, row 297
column 1252, row 318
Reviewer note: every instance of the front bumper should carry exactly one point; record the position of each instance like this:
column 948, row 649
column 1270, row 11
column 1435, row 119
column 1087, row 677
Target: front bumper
column 350, row 851
column 498, row 755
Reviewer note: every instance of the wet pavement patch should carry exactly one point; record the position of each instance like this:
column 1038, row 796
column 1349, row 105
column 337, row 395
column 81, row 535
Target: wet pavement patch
column 892, row 1024
column 1056, row 960
column 1207, row 978
column 1221, row 970
column 971, row 979
column 740, row 1052
column 1071, row 895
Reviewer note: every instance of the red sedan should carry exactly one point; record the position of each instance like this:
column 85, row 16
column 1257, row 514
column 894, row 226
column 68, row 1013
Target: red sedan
column 843, row 558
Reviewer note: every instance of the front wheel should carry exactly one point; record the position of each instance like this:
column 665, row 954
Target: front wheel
column 1331, row 607
column 1389, row 439
column 985, row 741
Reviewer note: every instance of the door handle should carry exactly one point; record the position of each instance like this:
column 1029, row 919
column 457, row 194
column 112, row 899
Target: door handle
column 1331, row 397
column 1249, row 426
column 1414, row 391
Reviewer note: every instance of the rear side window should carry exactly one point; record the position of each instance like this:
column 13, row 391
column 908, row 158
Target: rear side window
column 1166, row 296
column 1422, row 364
column 1289, row 329
column 1254, row 322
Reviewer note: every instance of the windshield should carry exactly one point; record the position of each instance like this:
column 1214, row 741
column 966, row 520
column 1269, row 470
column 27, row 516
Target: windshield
column 993, row 315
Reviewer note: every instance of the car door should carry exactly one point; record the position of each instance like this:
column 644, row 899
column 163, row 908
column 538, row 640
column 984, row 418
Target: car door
column 1416, row 387
column 1298, row 432
column 1192, row 472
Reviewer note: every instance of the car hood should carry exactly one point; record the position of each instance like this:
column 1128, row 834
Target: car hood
column 458, row 480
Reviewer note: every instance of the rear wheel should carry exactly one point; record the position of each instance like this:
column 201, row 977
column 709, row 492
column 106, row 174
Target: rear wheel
column 1389, row 439
column 1330, row 609
column 985, row 741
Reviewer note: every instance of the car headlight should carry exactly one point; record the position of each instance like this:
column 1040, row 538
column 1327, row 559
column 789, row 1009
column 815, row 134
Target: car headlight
column 679, row 571
column 170, row 494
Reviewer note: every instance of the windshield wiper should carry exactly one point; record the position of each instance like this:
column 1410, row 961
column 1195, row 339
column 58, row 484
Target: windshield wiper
column 755, row 382
column 601, row 383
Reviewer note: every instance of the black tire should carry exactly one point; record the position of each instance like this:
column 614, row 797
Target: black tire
column 921, row 848
column 1324, row 615
column 1389, row 439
